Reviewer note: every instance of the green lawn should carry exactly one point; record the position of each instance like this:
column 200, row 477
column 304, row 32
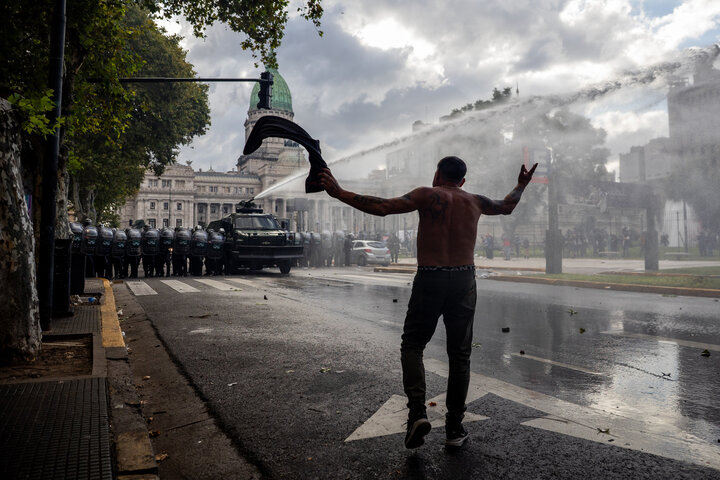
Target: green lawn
column 694, row 270
column 660, row 281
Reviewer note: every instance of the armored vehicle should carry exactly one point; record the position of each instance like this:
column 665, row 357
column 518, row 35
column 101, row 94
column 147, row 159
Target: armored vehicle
column 256, row 240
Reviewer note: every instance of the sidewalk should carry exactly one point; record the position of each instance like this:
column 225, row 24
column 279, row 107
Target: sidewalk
column 88, row 425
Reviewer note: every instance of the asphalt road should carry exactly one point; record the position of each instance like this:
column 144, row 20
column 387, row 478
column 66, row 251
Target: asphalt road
column 303, row 373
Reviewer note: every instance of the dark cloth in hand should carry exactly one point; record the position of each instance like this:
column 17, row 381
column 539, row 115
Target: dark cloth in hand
column 273, row 126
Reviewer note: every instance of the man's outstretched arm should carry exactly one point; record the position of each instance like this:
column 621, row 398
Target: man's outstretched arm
column 507, row 204
column 368, row 204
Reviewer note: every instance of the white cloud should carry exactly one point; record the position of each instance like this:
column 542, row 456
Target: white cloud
column 381, row 65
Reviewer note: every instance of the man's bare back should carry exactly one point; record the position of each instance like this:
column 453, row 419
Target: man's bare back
column 448, row 215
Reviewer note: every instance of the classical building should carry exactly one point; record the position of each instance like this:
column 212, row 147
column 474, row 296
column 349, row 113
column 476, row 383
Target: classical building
column 186, row 197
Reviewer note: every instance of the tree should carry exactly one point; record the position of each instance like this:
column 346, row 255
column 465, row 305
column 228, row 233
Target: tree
column 95, row 37
column 104, row 172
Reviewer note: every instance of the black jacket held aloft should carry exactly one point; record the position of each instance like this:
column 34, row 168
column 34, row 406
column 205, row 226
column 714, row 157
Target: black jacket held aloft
column 273, row 126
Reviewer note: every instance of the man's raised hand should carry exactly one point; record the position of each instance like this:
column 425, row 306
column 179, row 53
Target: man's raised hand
column 526, row 175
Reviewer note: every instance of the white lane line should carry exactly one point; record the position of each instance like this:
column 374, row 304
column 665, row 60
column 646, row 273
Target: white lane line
column 655, row 434
column 553, row 362
column 391, row 418
column 139, row 288
column 216, row 284
column 179, row 286
column 684, row 343
column 244, row 282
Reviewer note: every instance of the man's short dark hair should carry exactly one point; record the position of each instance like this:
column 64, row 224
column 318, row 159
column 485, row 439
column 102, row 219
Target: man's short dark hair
column 452, row 169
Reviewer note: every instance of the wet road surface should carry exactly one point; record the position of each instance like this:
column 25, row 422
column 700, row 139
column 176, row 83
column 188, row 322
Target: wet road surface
column 302, row 371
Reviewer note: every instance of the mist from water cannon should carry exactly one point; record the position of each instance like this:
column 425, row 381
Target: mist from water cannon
column 611, row 104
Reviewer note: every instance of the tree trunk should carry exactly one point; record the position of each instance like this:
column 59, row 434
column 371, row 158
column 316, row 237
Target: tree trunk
column 20, row 334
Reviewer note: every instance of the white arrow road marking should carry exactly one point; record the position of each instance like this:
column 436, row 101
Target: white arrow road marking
column 139, row 288
column 179, row 286
column 391, row 418
column 553, row 362
column 652, row 434
column 655, row 338
column 216, row 284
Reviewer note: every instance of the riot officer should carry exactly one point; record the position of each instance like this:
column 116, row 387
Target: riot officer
column 326, row 250
column 198, row 250
column 150, row 249
column 133, row 250
column 181, row 249
column 337, row 244
column 214, row 259
column 87, row 246
column 117, row 254
column 77, row 260
column 163, row 258
column 103, row 267
column 347, row 249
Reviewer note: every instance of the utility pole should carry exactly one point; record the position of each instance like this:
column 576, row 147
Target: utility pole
column 553, row 236
column 46, row 267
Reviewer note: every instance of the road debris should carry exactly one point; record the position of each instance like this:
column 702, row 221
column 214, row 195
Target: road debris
column 505, row 329
column 394, row 300
column 705, row 353
column 582, row 330
column 572, row 312
column 432, row 404
column 324, row 369
column 204, row 315
column 160, row 457
column 154, row 433
column 604, row 430
column 475, row 344
column 264, row 297
column 522, row 352
column 232, row 384
column 146, row 377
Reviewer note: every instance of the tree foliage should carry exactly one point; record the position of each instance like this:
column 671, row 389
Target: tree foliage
column 262, row 21
column 105, row 169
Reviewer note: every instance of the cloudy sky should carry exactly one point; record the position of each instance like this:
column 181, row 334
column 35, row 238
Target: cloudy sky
column 381, row 65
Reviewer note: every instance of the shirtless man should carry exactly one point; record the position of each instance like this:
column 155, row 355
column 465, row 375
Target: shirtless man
column 444, row 283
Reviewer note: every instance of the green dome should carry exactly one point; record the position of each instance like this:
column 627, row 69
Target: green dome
column 281, row 98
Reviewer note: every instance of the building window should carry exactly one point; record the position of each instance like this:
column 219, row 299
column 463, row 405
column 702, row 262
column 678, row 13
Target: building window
column 213, row 208
column 251, row 191
column 213, row 189
column 225, row 210
column 201, row 208
column 152, row 183
column 166, row 222
column 236, row 190
column 227, row 189
column 166, row 183
column 179, row 205
column 151, row 222
column 178, row 222
column 166, row 206
column 152, row 205
column 179, row 183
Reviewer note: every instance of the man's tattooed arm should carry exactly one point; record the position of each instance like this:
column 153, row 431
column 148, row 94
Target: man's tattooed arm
column 504, row 206
column 376, row 205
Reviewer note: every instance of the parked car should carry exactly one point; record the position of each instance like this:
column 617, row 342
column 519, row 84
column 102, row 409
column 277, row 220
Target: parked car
column 365, row 252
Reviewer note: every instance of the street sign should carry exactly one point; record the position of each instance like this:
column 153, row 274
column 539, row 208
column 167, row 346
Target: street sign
column 542, row 157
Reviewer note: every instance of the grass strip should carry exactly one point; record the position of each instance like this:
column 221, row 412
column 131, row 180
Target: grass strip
column 659, row 281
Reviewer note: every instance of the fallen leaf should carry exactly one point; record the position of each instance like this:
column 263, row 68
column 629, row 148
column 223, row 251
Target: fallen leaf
column 290, row 371
column 160, row 457
column 324, row 369
column 146, row 377
column 572, row 312
column 582, row 330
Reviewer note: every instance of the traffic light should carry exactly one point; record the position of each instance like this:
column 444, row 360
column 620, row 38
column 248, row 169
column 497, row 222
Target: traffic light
column 265, row 94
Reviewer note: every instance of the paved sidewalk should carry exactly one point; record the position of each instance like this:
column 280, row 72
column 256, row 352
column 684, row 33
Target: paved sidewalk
column 64, row 427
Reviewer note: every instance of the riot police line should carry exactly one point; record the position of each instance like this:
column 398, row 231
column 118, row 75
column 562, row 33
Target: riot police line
column 113, row 253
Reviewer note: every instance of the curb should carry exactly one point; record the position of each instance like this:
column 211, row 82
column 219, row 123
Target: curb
column 134, row 455
column 627, row 287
